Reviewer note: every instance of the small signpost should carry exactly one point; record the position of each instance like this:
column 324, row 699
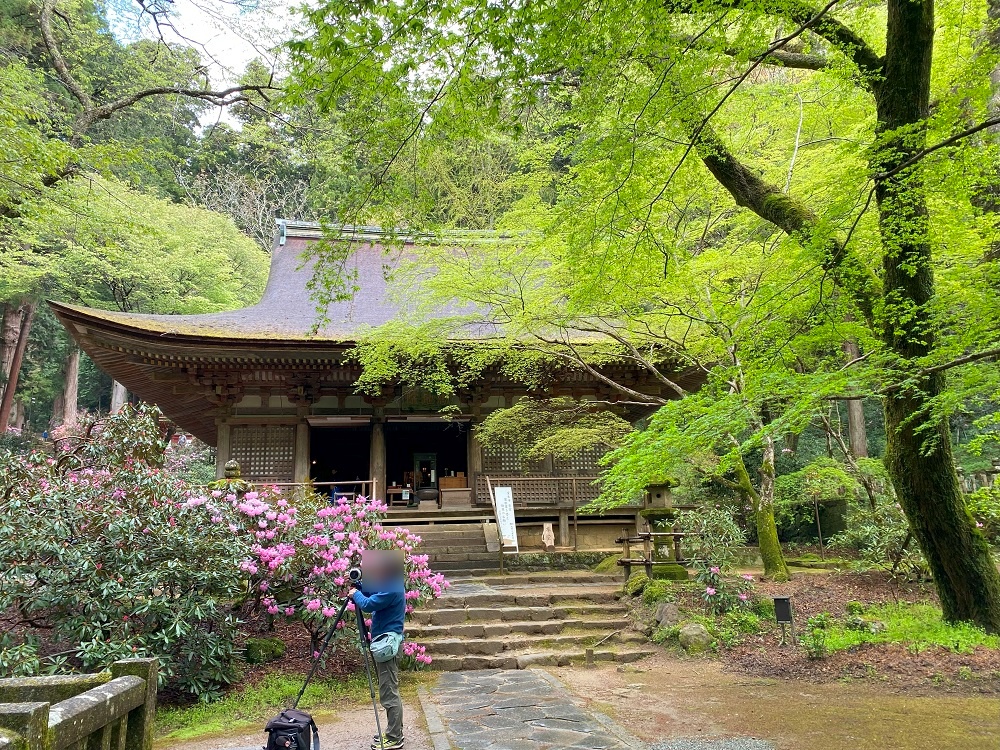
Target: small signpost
column 503, row 502
column 783, row 616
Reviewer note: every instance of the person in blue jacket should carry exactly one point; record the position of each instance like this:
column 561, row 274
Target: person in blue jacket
column 383, row 595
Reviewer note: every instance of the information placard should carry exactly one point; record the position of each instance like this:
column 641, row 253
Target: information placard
column 503, row 502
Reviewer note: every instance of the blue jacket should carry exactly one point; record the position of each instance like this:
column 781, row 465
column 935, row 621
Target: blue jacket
column 388, row 608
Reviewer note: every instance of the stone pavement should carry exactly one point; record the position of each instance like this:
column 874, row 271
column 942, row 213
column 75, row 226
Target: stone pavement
column 505, row 709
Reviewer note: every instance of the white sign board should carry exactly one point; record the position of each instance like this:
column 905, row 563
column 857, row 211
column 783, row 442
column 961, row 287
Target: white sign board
column 503, row 503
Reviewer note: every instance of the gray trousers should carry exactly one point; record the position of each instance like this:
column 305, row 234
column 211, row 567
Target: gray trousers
column 388, row 696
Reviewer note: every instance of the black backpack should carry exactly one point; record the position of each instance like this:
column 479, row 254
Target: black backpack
column 290, row 730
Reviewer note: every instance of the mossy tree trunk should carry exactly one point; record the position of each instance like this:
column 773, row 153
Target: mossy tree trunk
column 762, row 503
column 918, row 447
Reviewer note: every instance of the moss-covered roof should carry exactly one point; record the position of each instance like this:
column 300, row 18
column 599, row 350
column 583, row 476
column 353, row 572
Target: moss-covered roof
column 287, row 310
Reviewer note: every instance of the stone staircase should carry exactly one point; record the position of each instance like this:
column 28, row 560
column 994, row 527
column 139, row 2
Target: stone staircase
column 520, row 621
column 457, row 549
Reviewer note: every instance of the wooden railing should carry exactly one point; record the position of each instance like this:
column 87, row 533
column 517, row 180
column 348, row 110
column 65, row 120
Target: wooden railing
column 112, row 710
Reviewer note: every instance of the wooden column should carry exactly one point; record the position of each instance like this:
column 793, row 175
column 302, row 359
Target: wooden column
column 118, row 396
column 300, row 462
column 222, row 448
column 474, row 464
column 377, row 455
column 564, row 528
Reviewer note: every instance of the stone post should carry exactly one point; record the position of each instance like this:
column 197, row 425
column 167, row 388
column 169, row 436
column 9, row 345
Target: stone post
column 27, row 725
column 139, row 732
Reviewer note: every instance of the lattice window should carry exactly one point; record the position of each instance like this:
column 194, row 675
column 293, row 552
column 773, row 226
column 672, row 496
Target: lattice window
column 501, row 459
column 265, row 452
column 586, row 461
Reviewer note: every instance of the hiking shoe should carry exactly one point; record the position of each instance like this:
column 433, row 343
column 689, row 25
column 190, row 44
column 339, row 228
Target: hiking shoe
column 384, row 743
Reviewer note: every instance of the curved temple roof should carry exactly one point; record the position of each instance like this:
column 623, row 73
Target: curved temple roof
column 193, row 366
column 287, row 310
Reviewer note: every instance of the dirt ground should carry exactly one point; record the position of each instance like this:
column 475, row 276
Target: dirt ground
column 352, row 727
column 667, row 696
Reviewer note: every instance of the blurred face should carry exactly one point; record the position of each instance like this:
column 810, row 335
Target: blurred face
column 380, row 566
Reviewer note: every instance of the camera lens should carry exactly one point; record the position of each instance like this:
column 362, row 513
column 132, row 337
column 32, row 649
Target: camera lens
column 354, row 574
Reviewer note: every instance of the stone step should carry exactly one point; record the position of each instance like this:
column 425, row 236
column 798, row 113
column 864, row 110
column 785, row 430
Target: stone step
column 450, row 548
column 522, row 642
column 522, row 599
column 425, row 633
column 437, row 558
column 536, row 659
column 458, row 616
column 554, row 579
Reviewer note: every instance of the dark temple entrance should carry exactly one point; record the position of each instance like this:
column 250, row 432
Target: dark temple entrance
column 428, row 456
column 340, row 454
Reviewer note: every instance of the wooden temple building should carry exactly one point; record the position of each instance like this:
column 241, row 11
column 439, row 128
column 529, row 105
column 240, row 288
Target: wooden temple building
column 266, row 389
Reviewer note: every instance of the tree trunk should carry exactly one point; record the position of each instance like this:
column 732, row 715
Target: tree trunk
column 918, row 443
column 28, row 315
column 9, row 330
column 856, row 430
column 762, row 504
column 71, row 389
column 118, row 396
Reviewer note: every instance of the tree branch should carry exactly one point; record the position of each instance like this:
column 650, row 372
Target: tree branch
column 789, row 214
column 818, row 22
column 223, row 98
column 58, row 61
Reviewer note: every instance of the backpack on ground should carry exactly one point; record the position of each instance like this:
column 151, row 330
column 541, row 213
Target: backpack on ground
column 290, row 730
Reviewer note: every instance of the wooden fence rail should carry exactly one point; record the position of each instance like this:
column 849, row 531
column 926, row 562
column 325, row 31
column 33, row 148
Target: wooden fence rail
column 112, row 710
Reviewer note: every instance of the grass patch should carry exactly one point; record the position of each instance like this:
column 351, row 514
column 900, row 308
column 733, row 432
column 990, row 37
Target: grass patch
column 916, row 626
column 249, row 707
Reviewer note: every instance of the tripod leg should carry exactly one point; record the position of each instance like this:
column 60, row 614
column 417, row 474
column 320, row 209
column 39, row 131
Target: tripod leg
column 326, row 642
column 366, row 654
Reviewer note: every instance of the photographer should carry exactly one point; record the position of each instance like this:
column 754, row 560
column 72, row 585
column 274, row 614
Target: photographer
column 383, row 595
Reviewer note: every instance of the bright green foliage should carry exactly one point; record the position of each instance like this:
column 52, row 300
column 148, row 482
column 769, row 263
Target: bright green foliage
column 560, row 427
column 100, row 243
column 711, row 197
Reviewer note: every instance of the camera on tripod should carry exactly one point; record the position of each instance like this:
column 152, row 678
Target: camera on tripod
column 355, row 575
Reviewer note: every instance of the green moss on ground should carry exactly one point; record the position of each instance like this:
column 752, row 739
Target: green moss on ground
column 636, row 583
column 916, row 626
column 263, row 650
column 609, row 564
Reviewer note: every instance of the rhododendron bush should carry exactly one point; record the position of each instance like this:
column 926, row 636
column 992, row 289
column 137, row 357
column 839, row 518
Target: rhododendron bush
column 298, row 562
column 105, row 554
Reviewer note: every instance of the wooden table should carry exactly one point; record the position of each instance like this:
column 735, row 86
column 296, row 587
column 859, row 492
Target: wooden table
column 398, row 496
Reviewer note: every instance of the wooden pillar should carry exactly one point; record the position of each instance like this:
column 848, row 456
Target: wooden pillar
column 300, row 462
column 474, row 462
column 222, row 448
column 118, row 396
column 377, row 454
column 564, row 528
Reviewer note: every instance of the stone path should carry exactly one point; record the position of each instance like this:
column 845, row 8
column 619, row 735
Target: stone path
column 503, row 709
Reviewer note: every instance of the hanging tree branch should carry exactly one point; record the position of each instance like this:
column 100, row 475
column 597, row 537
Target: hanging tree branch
column 91, row 112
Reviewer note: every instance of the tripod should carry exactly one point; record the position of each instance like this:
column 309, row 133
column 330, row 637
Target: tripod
column 365, row 654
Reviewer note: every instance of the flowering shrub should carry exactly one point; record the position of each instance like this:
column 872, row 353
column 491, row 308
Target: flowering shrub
column 110, row 555
column 414, row 656
column 722, row 593
column 98, row 550
column 297, row 563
